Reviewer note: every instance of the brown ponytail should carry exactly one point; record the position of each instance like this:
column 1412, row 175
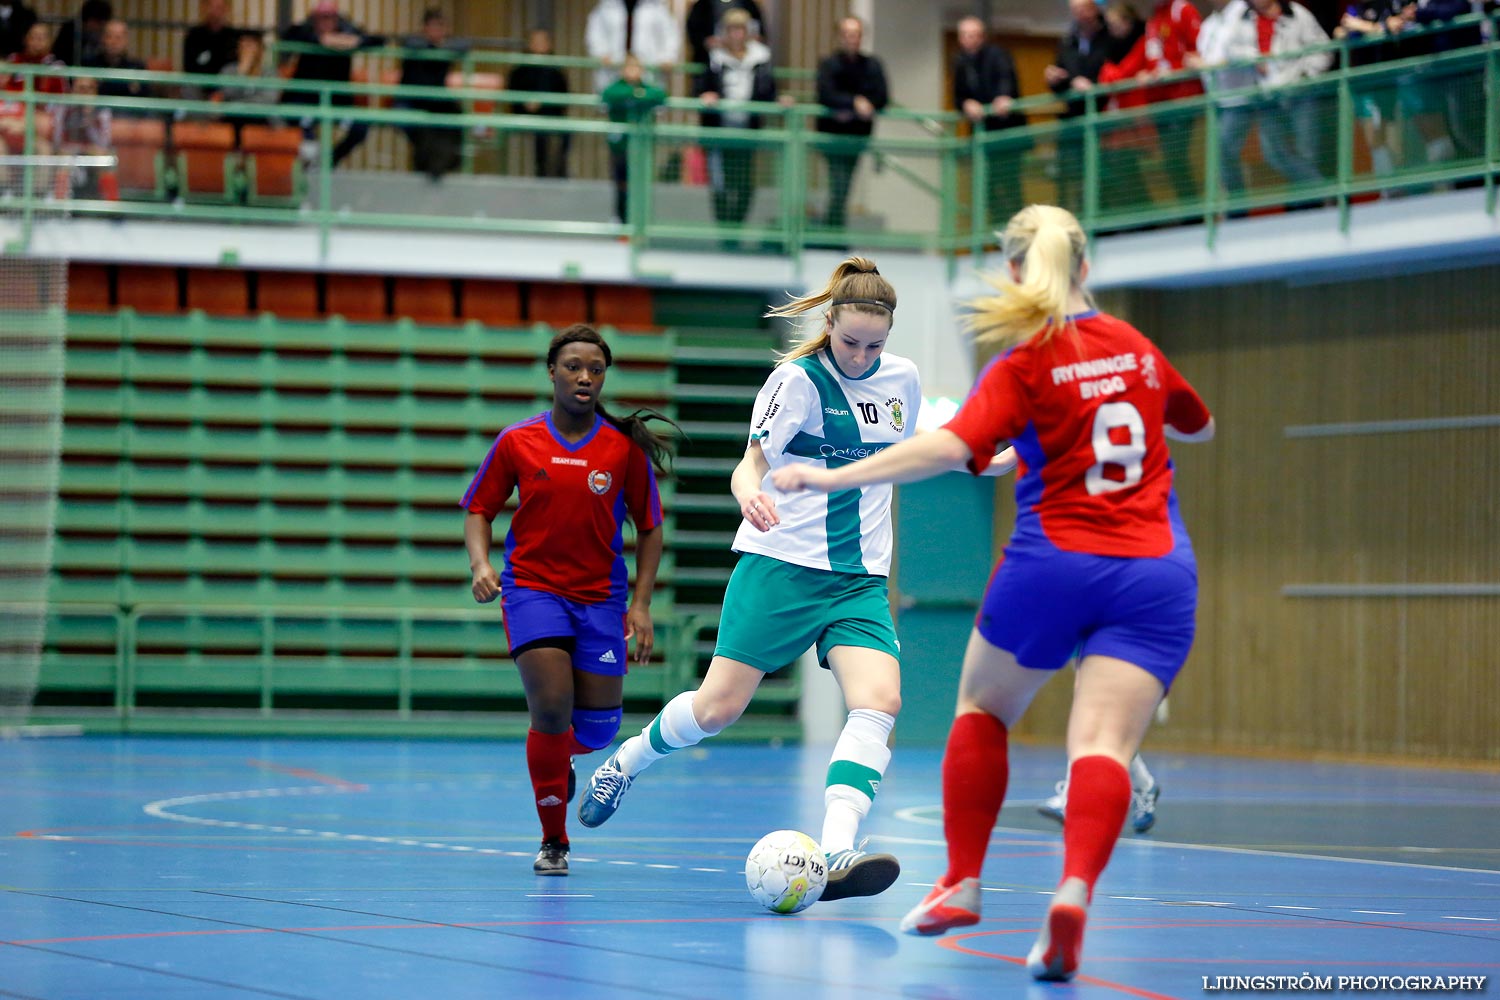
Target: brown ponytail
column 856, row 284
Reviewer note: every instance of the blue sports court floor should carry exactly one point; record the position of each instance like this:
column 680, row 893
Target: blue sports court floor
column 205, row 868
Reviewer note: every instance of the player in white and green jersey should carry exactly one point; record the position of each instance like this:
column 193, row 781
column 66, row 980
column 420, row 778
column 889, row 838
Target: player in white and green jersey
column 812, row 569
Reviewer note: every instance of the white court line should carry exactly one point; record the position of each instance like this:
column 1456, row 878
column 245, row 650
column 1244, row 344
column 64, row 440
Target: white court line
column 1487, row 920
column 559, row 895
column 912, row 814
column 1284, row 906
column 1382, row 913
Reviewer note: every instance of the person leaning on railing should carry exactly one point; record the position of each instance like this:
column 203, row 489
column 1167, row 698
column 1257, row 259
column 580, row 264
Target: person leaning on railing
column 37, row 52
column 852, row 87
column 340, row 38
column 114, row 53
column 436, row 149
column 1075, row 69
column 550, row 148
column 628, row 99
column 1370, row 28
column 1287, row 122
column 984, row 88
column 739, row 69
column 1168, row 44
column 1430, row 94
column 250, row 64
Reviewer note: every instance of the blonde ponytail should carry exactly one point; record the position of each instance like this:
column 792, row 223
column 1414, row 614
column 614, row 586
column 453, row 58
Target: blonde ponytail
column 1048, row 246
column 855, row 284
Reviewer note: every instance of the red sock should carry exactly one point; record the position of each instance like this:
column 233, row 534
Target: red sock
column 976, row 769
column 547, row 760
column 1098, row 799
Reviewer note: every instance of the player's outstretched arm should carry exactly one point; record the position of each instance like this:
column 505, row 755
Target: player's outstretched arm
column 914, row 459
column 478, row 536
column 1002, row 463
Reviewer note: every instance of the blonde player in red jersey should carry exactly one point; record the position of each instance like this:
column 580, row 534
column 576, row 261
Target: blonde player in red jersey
column 1099, row 562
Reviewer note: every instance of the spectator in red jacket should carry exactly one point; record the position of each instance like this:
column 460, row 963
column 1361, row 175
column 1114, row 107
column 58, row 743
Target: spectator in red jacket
column 1171, row 38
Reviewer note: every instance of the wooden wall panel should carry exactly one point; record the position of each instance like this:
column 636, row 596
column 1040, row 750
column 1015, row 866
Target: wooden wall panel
column 1413, row 676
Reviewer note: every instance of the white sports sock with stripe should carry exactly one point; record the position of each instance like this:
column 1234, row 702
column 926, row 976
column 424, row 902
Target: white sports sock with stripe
column 860, row 758
column 673, row 729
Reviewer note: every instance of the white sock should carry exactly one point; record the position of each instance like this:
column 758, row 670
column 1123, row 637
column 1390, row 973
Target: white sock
column 1140, row 778
column 1441, row 150
column 854, row 774
column 1382, row 160
column 673, row 729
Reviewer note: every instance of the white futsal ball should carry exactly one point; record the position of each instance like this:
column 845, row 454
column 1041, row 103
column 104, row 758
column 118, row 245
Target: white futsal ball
column 786, row 871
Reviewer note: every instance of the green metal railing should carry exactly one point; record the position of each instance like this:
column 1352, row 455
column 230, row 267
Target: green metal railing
column 135, row 651
column 928, row 187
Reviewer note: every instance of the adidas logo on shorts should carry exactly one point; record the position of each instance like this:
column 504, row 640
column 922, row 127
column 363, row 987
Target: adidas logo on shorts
column 608, row 657
column 551, row 800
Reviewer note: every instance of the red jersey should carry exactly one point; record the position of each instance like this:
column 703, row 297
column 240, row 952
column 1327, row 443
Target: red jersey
column 1085, row 414
column 566, row 536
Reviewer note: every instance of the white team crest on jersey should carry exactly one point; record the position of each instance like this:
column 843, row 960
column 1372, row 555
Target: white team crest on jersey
column 600, row 481
column 1148, row 372
column 897, row 406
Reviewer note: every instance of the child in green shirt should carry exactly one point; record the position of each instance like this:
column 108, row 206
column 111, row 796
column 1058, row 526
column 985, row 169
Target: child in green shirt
column 628, row 99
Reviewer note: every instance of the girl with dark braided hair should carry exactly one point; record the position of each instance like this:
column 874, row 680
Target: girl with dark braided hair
column 580, row 471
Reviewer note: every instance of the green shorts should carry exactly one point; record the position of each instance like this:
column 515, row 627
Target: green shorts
column 774, row 610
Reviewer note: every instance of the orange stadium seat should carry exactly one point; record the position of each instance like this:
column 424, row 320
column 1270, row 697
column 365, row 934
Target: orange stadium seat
column 218, row 292
column 558, row 305
column 272, row 171
column 288, row 294
column 140, row 154
column 88, row 288
column 357, row 297
column 627, row 307
column 148, row 289
column 206, row 160
column 493, row 303
column 424, row 300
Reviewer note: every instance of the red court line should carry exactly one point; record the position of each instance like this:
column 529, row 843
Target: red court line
column 299, row 772
column 953, row 944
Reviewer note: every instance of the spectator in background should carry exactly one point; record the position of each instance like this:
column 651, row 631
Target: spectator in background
column 1168, row 47
column 704, row 19
column 739, row 69
column 114, row 53
column 1122, row 185
column 1075, row 70
column 78, row 41
column 83, row 128
column 250, row 63
column 1431, row 95
column 628, row 99
column 37, row 51
column 1287, row 123
column 852, row 87
column 1235, row 113
column 984, row 88
column 551, row 148
column 645, row 29
column 15, row 20
column 340, row 38
column 1369, row 28
column 212, row 43
column 436, row 149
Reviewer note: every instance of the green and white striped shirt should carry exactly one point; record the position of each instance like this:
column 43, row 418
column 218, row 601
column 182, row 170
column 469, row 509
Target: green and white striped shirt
column 810, row 412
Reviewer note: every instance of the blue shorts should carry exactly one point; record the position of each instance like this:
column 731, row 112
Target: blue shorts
column 593, row 633
column 1044, row 606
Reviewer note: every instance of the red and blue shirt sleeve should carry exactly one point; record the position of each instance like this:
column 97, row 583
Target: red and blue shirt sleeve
column 1186, row 411
column 494, row 482
column 994, row 412
column 642, row 499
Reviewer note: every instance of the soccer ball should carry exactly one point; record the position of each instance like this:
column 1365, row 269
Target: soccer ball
column 786, row 871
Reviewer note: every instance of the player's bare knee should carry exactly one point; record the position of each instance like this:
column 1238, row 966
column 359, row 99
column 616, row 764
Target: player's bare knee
column 713, row 715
